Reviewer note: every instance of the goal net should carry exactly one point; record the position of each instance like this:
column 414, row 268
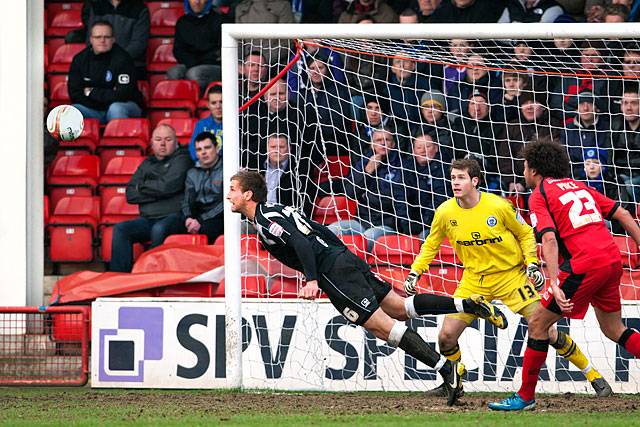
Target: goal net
column 358, row 132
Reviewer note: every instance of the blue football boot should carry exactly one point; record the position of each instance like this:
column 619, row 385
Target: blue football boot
column 513, row 403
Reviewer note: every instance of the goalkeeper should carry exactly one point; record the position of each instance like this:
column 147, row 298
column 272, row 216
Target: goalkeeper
column 498, row 252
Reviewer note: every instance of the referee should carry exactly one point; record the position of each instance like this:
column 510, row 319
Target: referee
column 359, row 295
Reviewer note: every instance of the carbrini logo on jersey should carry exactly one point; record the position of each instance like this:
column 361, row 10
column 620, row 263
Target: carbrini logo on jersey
column 477, row 240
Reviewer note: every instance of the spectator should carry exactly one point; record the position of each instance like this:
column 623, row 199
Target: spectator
column 295, row 75
column 212, row 123
column 589, row 129
column 597, row 175
column 426, row 8
column 626, row 141
column 460, row 49
column 531, row 11
column 506, row 101
column 254, row 75
column 379, row 10
column 616, row 13
column 371, row 184
column 197, row 44
column 434, row 121
column 203, row 204
column 405, row 90
column 594, row 10
column 566, row 55
column 377, row 116
column 422, row 184
column 476, row 78
column 312, row 11
column 408, row 16
column 475, row 137
column 631, row 62
column 284, row 184
column 264, row 12
column 468, row 11
column 130, row 22
column 102, row 81
column 157, row 187
column 533, row 122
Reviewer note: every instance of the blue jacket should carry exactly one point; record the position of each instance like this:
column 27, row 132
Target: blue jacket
column 405, row 97
column 205, row 125
column 576, row 137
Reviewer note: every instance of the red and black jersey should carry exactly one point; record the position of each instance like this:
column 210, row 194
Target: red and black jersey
column 576, row 214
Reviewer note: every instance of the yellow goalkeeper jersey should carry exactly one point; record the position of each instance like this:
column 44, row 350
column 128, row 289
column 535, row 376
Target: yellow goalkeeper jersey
column 488, row 238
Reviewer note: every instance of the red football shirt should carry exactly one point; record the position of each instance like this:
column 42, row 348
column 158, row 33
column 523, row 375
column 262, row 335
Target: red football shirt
column 576, row 213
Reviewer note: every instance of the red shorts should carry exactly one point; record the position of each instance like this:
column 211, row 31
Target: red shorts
column 599, row 287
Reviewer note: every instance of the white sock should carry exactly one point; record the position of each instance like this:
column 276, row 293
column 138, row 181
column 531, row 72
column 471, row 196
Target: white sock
column 440, row 363
column 459, row 305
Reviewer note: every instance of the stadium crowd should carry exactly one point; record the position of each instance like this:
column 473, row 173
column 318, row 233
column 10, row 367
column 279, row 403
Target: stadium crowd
column 395, row 123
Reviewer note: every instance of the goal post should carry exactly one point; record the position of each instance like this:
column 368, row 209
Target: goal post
column 329, row 121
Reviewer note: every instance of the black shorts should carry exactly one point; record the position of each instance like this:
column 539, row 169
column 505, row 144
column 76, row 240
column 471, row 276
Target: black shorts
column 353, row 289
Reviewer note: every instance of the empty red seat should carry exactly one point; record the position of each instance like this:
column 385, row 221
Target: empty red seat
column 123, row 137
column 628, row 251
column 116, row 210
column 252, row 286
column 63, row 56
column 356, row 243
column 72, row 229
column 446, row 254
column 173, row 95
column 162, row 58
column 88, row 138
column 630, row 284
column 73, row 176
column 334, row 167
column 184, row 127
column 63, row 22
column 143, row 87
column 163, row 21
column 219, row 240
column 395, row 277
column 59, row 95
column 116, row 176
column 54, row 9
column 284, row 287
column 155, row 5
column 45, row 208
column 394, row 249
column 330, row 209
column 187, row 239
column 444, row 279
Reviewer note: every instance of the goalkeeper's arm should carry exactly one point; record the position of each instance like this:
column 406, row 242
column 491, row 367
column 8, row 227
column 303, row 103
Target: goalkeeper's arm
column 428, row 251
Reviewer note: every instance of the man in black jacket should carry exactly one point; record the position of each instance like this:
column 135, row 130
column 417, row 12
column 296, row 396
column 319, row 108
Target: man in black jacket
column 157, row 187
column 197, row 44
column 203, row 199
column 102, row 81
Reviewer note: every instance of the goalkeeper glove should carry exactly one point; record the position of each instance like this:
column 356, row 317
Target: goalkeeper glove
column 410, row 283
column 535, row 275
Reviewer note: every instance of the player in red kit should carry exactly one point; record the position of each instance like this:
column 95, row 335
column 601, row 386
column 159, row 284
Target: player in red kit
column 583, row 261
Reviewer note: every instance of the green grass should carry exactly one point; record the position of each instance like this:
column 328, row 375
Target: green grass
column 86, row 407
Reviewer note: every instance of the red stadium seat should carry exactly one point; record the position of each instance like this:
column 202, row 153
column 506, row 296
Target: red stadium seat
column 184, row 128
column 628, row 251
column 62, row 57
column 173, row 99
column 443, row 279
column 395, row 277
column 446, row 255
column 187, row 239
column 219, row 241
column 115, row 211
column 53, row 45
column 284, row 287
column 143, row 87
column 73, row 176
column 53, row 9
column 334, row 167
column 630, row 284
column 253, row 286
column 59, row 95
column 45, row 208
column 124, row 137
column 72, row 229
column 63, row 22
column 162, row 58
column 155, row 5
column 163, row 21
column 394, row 249
column 116, row 176
column 330, row 209
column 88, row 138
column 356, row 243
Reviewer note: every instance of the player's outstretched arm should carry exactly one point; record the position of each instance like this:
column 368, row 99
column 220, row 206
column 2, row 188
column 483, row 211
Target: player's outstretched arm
column 428, row 251
column 624, row 218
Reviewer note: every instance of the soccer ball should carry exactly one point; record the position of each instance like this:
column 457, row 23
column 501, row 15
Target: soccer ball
column 65, row 123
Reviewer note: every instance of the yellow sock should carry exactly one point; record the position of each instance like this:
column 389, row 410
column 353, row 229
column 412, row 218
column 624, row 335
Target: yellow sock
column 453, row 354
column 568, row 349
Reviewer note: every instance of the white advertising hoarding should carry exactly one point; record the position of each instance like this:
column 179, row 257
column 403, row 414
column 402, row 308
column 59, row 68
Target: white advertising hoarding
column 299, row 345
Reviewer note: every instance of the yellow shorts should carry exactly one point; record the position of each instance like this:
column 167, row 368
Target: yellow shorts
column 511, row 287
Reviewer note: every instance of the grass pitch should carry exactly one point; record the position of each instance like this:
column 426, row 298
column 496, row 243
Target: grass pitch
column 20, row 406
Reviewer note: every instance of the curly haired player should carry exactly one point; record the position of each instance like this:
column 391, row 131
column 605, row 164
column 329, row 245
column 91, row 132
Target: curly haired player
column 359, row 295
column 498, row 251
column 582, row 259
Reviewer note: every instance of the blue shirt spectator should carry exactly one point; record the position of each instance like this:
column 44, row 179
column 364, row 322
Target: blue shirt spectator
column 212, row 123
column 295, row 76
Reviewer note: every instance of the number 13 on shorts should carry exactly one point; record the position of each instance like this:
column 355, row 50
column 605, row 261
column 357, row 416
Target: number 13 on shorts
column 527, row 292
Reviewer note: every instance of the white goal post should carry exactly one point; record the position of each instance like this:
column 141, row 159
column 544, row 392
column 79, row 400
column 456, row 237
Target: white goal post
column 232, row 37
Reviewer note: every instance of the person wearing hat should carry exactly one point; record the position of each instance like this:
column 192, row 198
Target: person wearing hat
column 598, row 175
column 433, row 112
column 589, row 129
column 533, row 122
column 475, row 137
